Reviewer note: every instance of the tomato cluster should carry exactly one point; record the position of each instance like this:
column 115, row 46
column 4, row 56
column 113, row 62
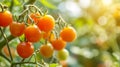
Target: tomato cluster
column 39, row 27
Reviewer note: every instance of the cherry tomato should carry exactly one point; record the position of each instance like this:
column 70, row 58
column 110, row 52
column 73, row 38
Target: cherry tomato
column 46, row 51
column 46, row 23
column 62, row 54
column 58, row 44
column 17, row 29
column 68, row 34
column 32, row 33
column 5, row 18
column 25, row 49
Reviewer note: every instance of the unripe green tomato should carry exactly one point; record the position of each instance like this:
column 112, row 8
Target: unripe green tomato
column 62, row 54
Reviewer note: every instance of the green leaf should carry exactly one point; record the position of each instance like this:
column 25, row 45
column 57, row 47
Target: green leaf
column 47, row 4
column 22, row 37
column 54, row 65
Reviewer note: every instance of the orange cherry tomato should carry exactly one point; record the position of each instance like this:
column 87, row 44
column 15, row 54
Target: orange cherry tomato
column 17, row 29
column 46, row 51
column 58, row 44
column 68, row 34
column 46, row 23
column 5, row 18
column 25, row 49
column 32, row 33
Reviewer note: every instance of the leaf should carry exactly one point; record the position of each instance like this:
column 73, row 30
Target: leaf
column 54, row 65
column 47, row 4
column 22, row 37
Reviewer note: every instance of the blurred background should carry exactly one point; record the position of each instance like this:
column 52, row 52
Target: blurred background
column 97, row 23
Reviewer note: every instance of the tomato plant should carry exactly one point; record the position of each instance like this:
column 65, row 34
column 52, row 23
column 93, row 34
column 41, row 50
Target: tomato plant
column 36, row 36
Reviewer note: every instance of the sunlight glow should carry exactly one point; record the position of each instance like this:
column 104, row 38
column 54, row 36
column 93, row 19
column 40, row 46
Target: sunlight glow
column 84, row 3
column 107, row 2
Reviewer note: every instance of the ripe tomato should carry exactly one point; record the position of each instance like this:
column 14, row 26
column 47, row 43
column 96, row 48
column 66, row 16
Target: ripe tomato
column 25, row 49
column 5, row 18
column 58, row 44
column 35, row 17
column 17, row 29
column 49, row 36
column 46, row 23
column 46, row 51
column 62, row 54
column 13, row 52
column 68, row 34
column 32, row 33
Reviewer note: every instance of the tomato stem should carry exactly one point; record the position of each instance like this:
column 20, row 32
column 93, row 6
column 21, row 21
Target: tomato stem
column 1, row 6
column 5, row 37
column 13, row 64
column 30, row 58
column 3, row 42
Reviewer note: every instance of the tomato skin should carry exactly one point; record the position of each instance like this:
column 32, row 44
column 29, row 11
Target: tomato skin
column 17, row 29
column 58, row 44
column 46, row 23
column 68, row 34
column 62, row 54
column 46, row 51
column 32, row 33
column 5, row 18
column 25, row 49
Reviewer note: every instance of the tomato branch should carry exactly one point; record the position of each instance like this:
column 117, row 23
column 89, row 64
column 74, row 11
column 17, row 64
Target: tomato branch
column 19, row 63
column 5, row 38
column 13, row 64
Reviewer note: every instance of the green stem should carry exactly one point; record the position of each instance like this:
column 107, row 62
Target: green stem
column 12, row 65
column 30, row 58
column 6, row 43
column 22, row 60
column 3, row 42
column 1, row 6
